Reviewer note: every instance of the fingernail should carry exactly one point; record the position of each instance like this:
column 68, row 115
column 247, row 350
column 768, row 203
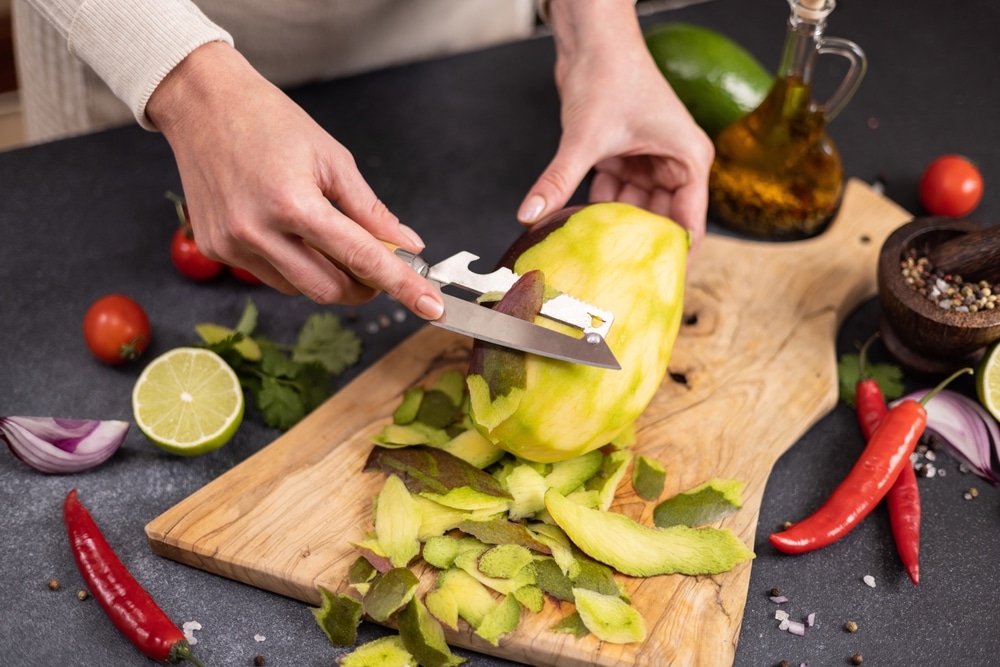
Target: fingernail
column 413, row 236
column 429, row 308
column 532, row 209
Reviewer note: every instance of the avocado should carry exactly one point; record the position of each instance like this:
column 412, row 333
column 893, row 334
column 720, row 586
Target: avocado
column 717, row 79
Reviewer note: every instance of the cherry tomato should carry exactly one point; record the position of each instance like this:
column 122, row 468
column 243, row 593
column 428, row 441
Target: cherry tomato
column 184, row 251
column 116, row 329
column 189, row 260
column 951, row 186
column 244, row 276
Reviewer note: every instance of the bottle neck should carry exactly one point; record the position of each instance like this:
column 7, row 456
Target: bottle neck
column 803, row 39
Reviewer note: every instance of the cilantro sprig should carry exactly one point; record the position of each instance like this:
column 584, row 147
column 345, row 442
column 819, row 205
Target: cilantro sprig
column 285, row 382
column 888, row 376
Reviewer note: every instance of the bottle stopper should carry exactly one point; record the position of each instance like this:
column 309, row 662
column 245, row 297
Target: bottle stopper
column 813, row 10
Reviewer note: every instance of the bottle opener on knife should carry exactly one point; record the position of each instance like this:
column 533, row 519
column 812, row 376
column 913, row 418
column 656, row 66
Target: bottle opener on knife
column 473, row 319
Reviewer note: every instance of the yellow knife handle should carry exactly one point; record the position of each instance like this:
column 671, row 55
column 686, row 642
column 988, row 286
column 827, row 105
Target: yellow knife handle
column 413, row 260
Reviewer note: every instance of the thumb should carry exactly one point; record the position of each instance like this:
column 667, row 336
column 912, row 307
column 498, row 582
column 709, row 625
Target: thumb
column 556, row 184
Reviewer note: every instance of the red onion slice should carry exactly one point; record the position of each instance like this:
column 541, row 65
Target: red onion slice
column 56, row 446
column 966, row 429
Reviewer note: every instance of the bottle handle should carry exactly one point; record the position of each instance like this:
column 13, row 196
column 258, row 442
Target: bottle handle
column 858, row 64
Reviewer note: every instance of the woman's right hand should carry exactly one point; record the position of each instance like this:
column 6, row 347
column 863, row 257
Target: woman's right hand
column 270, row 191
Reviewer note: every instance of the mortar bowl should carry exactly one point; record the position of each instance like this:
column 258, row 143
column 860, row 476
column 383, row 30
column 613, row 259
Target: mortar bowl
column 923, row 337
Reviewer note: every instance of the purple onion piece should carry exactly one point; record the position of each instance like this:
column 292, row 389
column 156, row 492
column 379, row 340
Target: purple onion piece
column 967, row 431
column 53, row 445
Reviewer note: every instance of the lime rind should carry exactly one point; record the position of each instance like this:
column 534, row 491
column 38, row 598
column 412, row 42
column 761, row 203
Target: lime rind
column 988, row 380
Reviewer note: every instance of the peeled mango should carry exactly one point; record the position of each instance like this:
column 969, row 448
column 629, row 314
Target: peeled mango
column 617, row 257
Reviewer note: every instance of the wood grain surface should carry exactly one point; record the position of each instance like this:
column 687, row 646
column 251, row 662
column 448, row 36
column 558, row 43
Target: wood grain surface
column 754, row 367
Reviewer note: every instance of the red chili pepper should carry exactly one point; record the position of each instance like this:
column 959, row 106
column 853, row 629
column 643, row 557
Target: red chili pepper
column 886, row 454
column 868, row 398
column 903, row 501
column 129, row 605
column 903, row 498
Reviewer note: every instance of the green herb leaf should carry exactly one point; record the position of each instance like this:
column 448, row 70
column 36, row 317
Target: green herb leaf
column 323, row 340
column 888, row 376
column 281, row 405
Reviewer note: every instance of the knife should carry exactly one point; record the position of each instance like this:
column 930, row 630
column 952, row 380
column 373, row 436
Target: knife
column 473, row 319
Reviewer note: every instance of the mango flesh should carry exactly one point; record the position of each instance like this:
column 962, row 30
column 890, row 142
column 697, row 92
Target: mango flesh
column 617, row 257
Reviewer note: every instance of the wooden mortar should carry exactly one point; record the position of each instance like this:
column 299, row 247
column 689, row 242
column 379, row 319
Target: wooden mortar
column 923, row 337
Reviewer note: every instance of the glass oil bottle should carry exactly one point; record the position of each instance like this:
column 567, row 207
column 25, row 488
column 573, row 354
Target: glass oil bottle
column 777, row 174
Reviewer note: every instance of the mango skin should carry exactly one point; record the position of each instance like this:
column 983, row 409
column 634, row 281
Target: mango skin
column 620, row 258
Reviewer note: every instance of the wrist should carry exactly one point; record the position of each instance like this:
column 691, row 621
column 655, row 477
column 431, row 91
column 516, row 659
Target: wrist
column 195, row 79
column 591, row 30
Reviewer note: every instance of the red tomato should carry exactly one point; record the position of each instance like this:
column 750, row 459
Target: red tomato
column 244, row 276
column 116, row 329
column 951, row 186
column 189, row 260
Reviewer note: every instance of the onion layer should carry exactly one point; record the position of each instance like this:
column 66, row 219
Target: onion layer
column 55, row 445
column 967, row 431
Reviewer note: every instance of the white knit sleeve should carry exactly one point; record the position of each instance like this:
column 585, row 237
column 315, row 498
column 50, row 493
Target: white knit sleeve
column 132, row 44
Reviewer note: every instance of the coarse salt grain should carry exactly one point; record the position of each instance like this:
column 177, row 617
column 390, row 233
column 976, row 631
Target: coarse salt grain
column 784, row 624
column 259, row 638
column 869, row 580
column 189, row 627
column 780, row 615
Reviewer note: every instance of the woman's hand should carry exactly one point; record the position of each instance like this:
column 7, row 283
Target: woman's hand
column 621, row 118
column 270, row 191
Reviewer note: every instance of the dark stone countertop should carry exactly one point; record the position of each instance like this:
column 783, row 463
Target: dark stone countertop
column 451, row 146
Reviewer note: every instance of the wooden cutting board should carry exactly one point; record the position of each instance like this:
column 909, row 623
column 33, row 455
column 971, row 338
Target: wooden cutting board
column 753, row 368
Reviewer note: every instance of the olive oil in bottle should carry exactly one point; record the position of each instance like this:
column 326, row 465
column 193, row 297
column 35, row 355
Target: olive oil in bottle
column 777, row 174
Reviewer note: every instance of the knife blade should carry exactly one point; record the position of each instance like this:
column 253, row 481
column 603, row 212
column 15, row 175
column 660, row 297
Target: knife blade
column 472, row 319
column 476, row 320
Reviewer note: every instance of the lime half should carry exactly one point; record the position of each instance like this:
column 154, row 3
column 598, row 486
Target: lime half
column 188, row 401
column 988, row 380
